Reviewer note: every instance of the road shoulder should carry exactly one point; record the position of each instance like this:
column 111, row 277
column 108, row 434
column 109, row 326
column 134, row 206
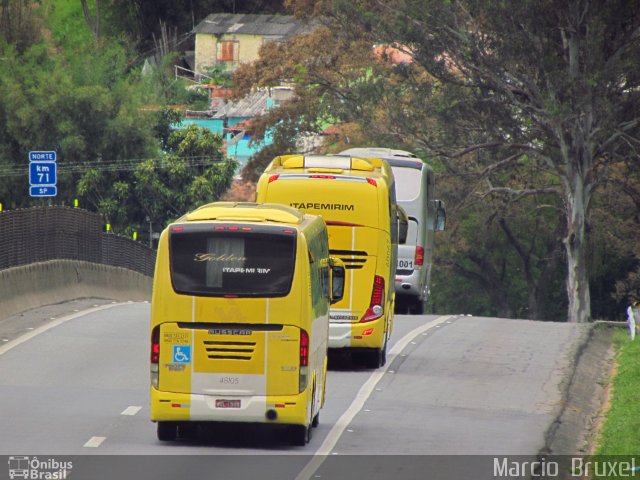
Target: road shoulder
column 24, row 322
column 576, row 427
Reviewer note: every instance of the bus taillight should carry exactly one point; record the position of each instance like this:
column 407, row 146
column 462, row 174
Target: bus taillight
column 304, row 348
column 155, row 355
column 304, row 359
column 376, row 305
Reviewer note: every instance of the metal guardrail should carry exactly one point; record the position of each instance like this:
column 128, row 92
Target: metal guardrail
column 50, row 233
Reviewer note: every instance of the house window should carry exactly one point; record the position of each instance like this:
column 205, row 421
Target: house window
column 226, row 51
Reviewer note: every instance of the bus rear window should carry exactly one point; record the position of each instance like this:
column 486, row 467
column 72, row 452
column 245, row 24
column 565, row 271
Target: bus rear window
column 244, row 264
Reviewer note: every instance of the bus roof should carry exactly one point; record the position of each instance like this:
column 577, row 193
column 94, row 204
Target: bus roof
column 246, row 211
column 328, row 164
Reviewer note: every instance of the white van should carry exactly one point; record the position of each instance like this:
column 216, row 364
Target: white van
column 415, row 186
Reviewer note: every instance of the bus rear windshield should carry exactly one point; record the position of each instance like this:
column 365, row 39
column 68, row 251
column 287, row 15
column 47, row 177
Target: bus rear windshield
column 243, row 264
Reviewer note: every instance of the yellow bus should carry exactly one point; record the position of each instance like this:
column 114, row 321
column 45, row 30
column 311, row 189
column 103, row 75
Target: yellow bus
column 239, row 319
column 356, row 198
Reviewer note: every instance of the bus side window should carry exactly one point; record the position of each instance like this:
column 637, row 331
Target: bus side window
column 326, row 281
column 337, row 281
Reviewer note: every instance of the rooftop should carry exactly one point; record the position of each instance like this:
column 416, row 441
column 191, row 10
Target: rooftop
column 252, row 24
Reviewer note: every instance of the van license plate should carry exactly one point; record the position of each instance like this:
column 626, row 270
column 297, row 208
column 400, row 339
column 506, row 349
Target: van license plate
column 227, row 403
column 405, row 264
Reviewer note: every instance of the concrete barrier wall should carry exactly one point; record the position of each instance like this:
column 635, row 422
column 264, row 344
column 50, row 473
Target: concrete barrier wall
column 44, row 283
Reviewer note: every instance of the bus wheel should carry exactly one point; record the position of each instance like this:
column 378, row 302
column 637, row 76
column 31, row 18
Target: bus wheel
column 300, row 435
column 316, row 419
column 378, row 357
column 167, row 431
column 187, row 429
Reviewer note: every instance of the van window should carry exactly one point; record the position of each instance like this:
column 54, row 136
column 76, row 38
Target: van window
column 408, row 182
column 245, row 264
column 412, row 232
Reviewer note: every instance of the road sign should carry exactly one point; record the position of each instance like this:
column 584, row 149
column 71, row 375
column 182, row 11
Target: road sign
column 42, row 173
column 43, row 191
column 42, row 156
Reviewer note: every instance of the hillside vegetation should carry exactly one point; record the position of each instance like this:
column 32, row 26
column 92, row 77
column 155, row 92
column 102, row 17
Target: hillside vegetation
column 529, row 113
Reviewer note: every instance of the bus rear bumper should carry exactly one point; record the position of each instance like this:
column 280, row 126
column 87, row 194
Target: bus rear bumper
column 357, row 335
column 181, row 407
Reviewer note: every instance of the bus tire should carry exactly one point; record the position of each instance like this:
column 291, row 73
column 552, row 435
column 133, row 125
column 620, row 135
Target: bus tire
column 315, row 421
column 299, row 435
column 378, row 358
column 167, row 431
column 187, row 429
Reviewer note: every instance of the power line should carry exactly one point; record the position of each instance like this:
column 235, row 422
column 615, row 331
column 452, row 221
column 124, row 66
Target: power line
column 113, row 165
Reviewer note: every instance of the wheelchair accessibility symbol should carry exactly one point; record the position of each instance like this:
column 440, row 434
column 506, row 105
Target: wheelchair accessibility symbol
column 182, row 354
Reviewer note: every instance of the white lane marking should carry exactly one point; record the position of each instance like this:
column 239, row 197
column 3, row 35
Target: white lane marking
column 361, row 397
column 131, row 410
column 35, row 332
column 94, row 442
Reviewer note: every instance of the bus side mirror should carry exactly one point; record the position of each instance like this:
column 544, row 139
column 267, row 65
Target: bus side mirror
column 441, row 216
column 337, row 280
column 403, row 225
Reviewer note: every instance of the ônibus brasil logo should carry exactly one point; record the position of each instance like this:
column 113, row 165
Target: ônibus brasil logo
column 32, row 468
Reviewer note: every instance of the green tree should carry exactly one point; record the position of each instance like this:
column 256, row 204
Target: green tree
column 550, row 86
column 20, row 25
column 192, row 173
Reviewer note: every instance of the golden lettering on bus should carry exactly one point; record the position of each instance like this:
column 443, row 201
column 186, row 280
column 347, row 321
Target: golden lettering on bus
column 213, row 257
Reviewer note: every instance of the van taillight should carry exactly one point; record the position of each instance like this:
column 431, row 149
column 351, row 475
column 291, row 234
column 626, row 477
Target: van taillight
column 273, row 178
column 371, row 181
column 304, row 348
column 419, row 255
column 376, row 306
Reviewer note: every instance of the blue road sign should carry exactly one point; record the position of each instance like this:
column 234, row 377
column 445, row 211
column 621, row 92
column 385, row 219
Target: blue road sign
column 42, row 173
column 42, row 156
column 43, row 191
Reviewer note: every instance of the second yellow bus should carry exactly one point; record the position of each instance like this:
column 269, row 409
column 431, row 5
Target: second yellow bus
column 356, row 198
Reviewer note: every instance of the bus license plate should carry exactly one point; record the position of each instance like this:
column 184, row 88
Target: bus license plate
column 227, row 403
column 405, row 264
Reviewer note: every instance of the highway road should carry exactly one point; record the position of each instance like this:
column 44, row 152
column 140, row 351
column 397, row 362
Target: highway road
column 77, row 387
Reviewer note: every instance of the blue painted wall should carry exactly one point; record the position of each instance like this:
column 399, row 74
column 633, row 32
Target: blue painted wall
column 240, row 151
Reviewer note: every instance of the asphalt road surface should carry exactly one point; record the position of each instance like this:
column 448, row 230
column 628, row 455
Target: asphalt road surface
column 76, row 387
